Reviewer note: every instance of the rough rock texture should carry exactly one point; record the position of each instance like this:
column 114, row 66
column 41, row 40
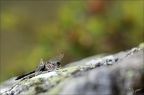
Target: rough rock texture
column 118, row 74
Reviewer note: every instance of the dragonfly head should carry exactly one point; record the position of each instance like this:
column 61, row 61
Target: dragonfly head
column 58, row 63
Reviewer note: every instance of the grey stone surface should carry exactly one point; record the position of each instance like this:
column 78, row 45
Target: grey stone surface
column 117, row 79
column 123, row 76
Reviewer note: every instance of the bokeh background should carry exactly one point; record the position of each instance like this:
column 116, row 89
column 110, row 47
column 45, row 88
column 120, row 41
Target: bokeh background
column 31, row 30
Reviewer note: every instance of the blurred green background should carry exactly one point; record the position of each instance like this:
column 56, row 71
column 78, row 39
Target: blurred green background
column 31, row 30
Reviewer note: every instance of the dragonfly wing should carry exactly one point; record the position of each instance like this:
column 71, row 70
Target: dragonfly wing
column 56, row 58
column 40, row 66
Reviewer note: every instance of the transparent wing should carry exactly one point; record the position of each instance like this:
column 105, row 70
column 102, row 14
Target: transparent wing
column 40, row 66
column 57, row 58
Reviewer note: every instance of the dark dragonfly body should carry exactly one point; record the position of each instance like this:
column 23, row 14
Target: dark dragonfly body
column 22, row 76
column 49, row 66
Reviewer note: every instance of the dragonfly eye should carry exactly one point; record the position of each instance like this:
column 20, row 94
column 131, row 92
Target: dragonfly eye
column 58, row 63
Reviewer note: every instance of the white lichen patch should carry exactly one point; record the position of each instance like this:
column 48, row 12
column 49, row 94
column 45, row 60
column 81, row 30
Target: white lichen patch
column 46, row 75
column 108, row 60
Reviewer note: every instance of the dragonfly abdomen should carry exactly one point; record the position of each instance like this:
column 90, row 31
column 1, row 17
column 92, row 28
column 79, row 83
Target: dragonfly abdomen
column 22, row 76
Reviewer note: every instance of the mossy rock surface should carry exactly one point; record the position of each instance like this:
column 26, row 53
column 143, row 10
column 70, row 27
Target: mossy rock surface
column 124, row 76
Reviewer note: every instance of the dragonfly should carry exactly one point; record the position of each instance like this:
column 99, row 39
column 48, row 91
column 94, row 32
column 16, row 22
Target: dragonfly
column 49, row 66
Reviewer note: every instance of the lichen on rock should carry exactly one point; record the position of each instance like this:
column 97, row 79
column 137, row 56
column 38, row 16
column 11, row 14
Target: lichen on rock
column 120, row 73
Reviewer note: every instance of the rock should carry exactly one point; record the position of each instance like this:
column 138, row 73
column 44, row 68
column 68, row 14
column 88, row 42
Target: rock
column 121, row 73
column 113, row 80
column 7, row 84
